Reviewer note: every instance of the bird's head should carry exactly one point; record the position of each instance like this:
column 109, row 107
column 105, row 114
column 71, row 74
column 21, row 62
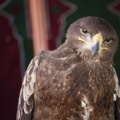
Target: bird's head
column 92, row 38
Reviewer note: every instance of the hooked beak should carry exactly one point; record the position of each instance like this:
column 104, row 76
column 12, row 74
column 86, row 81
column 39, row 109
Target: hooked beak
column 95, row 44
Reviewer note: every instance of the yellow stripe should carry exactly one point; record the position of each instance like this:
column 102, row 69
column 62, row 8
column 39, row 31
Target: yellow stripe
column 103, row 48
column 96, row 37
column 81, row 39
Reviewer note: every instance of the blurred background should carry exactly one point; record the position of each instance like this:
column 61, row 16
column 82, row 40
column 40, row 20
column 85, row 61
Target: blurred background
column 29, row 26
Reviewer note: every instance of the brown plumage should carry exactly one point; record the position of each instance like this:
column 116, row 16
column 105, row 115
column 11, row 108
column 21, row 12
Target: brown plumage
column 77, row 81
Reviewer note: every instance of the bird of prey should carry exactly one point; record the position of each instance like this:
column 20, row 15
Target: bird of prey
column 77, row 81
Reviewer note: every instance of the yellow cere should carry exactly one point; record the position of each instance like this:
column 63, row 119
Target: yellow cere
column 98, row 37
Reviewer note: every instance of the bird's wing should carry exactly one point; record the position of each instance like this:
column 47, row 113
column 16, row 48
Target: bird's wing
column 26, row 97
column 117, row 97
column 117, row 86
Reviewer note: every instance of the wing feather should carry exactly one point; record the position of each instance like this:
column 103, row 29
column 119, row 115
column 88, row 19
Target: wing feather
column 26, row 97
column 117, row 86
column 117, row 97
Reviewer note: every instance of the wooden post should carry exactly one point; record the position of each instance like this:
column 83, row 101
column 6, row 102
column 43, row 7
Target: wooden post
column 39, row 27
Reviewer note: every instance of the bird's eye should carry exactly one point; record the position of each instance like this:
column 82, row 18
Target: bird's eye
column 84, row 31
column 108, row 40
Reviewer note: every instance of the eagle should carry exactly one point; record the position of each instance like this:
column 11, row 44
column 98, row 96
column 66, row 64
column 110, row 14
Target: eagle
column 77, row 81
